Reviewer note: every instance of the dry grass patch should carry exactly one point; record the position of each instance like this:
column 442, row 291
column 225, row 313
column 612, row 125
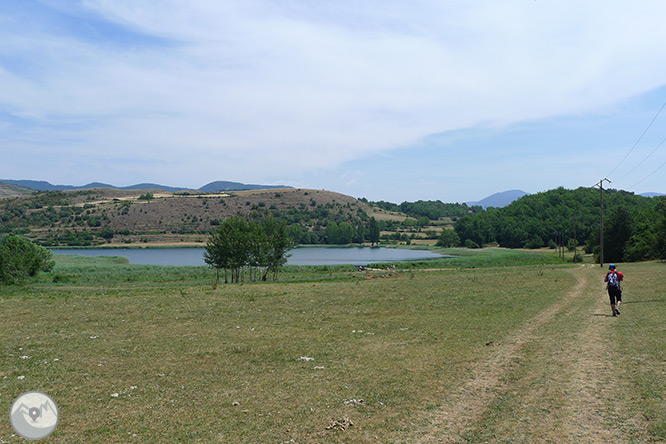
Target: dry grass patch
column 179, row 361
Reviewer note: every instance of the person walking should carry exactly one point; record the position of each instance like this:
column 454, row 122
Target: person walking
column 613, row 279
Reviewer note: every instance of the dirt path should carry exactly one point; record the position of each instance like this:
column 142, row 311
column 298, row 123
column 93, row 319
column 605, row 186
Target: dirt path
column 551, row 381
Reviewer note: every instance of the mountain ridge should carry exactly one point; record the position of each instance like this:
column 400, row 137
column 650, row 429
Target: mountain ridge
column 42, row 185
column 500, row 199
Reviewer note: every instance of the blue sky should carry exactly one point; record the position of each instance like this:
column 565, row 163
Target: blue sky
column 389, row 100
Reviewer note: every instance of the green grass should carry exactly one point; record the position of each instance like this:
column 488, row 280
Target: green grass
column 190, row 362
column 486, row 257
column 640, row 338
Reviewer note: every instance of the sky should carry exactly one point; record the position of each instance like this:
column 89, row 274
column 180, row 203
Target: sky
column 449, row 100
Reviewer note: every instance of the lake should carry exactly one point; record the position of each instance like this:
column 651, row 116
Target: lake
column 298, row 256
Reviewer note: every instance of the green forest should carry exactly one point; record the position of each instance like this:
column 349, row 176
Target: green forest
column 634, row 226
column 431, row 209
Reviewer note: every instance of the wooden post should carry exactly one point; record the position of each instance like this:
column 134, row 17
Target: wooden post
column 601, row 188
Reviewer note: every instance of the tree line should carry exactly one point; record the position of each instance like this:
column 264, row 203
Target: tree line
column 634, row 226
column 431, row 209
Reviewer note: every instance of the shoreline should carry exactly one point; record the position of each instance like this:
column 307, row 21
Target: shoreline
column 158, row 245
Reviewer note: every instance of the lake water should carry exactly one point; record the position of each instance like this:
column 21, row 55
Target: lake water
column 299, row 256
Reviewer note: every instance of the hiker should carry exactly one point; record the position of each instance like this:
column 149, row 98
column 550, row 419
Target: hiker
column 613, row 279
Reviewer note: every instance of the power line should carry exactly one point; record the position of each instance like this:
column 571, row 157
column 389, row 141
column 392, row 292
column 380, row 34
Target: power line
column 642, row 161
column 639, row 139
column 649, row 175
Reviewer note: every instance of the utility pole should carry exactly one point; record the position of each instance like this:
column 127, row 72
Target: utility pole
column 575, row 238
column 601, row 188
column 562, row 244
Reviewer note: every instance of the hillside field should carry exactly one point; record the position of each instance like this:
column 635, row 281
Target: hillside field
column 115, row 217
column 8, row 190
column 471, row 352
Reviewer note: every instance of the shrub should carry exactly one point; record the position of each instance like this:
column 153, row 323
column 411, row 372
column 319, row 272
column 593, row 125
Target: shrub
column 20, row 258
column 469, row 243
column 534, row 242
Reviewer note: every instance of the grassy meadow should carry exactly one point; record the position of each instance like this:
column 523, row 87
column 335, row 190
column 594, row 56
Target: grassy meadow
column 140, row 354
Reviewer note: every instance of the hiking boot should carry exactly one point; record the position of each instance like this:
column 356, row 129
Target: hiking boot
column 617, row 311
column 614, row 314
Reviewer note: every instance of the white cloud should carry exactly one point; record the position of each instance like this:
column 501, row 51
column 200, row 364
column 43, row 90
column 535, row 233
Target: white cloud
column 259, row 88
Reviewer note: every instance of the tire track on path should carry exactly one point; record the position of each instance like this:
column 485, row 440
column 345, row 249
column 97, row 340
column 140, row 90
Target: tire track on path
column 565, row 390
column 467, row 404
column 592, row 382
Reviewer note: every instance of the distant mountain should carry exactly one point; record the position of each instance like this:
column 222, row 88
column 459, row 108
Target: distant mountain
column 652, row 194
column 36, row 185
column 152, row 186
column 40, row 185
column 222, row 185
column 499, row 200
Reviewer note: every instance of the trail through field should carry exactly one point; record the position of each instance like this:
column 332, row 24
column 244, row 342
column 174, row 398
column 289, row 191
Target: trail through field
column 552, row 380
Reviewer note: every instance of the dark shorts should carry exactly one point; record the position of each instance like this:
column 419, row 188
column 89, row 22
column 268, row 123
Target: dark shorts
column 615, row 294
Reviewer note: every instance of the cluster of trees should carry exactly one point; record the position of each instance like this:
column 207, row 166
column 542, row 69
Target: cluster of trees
column 20, row 216
column 634, row 226
column 337, row 231
column 431, row 209
column 20, row 258
column 238, row 244
column 631, row 236
column 345, row 233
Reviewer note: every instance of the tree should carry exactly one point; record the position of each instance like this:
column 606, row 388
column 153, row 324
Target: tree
column 617, row 235
column 229, row 247
column 373, row 231
column 217, row 253
column 359, row 233
column 238, row 231
column 20, row 259
column 660, row 229
column 448, row 239
column 332, row 233
column 278, row 244
column 346, row 233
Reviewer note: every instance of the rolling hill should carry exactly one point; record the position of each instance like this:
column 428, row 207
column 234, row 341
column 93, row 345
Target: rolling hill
column 9, row 190
column 120, row 217
column 41, row 185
